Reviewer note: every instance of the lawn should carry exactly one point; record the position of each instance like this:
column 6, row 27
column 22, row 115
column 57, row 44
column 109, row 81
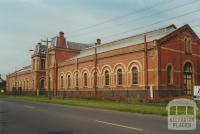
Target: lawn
column 156, row 109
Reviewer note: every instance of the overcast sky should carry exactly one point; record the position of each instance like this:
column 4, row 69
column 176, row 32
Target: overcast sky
column 24, row 22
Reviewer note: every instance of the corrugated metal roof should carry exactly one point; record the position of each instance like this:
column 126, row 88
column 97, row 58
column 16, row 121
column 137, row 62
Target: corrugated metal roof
column 26, row 68
column 76, row 46
column 125, row 42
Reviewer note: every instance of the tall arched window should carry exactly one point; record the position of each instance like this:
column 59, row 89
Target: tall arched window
column 42, row 64
column 27, row 84
column 189, row 46
column 33, row 84
column 24, row 84
column 119, row 77
column 21, row 84
column 61, row 82
column 134, row 75
column 68, row 81
column 85, row 79
column 188, row 68
column 42, row 84
column 107, row 78
column 185, row 43
column 170, row 75
column 77, row 79
column 188, row 85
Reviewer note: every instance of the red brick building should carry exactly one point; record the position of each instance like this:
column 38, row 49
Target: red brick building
column 2, row 84
column 166, row 60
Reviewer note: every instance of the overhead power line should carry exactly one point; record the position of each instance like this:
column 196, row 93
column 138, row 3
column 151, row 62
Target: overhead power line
column 141, row 27
column 118, row 17
column 196, row 25
column 144, row 17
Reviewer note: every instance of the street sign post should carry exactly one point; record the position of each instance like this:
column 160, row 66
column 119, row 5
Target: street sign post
column 196, row 93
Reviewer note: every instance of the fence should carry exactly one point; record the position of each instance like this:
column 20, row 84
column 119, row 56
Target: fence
column 100, row 93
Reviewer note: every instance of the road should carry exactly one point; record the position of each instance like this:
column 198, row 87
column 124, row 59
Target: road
column 25, row 117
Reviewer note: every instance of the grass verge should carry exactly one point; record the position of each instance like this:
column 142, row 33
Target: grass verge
column 102, row 104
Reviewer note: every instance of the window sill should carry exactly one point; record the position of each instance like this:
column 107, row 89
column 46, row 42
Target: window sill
column 107, row 86
column 170, row 85
column 119, row 86
column 135, row 84
column 188, row 53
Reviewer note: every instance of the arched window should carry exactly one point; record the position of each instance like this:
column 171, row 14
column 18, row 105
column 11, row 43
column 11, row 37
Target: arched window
column 169, row 75
column 189, row 46
column 77, row 79
column 42, row 84
column 188, row 68
column 107, row 78
column 134, row 75
column 42, row 64
column 185, row 43
column 21, row 83
column 33, row 84
column 68, row 81
column 61, row 82
column 24, row 84
column 85, row 79
column 119, row 77
column 27, row 84
column 188, row 85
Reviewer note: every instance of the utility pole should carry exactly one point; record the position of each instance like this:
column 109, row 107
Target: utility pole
column 15, row 78
column 146, row 64
column 95, row 69
column 98, row 42
column 77, row 73
column 48, row 66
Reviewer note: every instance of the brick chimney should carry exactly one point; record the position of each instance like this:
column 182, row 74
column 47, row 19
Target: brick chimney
column 98, row 41
column 61, row 40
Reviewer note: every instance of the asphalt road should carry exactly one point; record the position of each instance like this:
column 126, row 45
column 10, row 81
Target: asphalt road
column 22, row 117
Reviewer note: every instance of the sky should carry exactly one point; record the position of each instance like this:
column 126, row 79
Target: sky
column 23, row 23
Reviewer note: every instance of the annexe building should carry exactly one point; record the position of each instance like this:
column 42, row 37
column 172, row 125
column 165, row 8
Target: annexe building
column 166, row 60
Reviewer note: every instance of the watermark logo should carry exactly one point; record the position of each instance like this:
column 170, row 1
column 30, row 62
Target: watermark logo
column 181, row 114
column 196, row 94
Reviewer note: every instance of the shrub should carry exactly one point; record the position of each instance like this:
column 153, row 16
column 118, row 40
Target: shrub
column 156, row 100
